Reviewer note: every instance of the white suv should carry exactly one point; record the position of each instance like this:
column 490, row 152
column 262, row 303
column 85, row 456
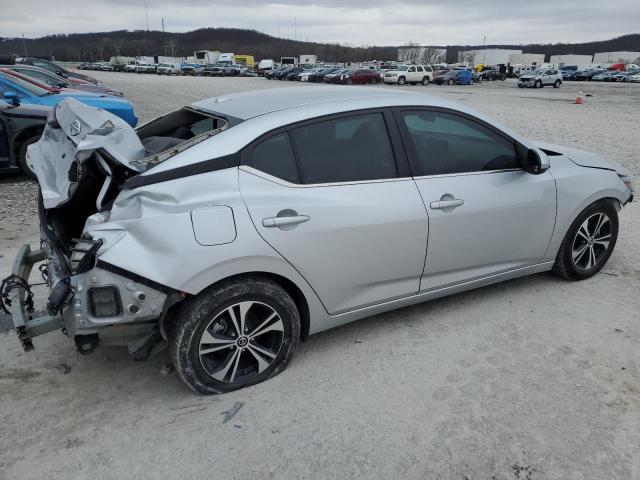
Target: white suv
column 541, row 77
column 409, row 74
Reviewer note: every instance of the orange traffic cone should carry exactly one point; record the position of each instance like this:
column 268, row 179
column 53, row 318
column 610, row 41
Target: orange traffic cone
column 579, row 98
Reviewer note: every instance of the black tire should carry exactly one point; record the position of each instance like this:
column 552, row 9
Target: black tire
column 557, row 84
column 565, row 265
column 451, row 81
column 402, row 81
column 538, row 84
column 425, row 81
column 22, row 157
column 202, row 311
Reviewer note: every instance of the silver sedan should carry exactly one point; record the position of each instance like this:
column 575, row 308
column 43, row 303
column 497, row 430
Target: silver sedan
column 233, row 228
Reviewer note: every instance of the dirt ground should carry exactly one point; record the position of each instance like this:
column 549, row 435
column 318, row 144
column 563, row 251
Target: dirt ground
column 536, row 378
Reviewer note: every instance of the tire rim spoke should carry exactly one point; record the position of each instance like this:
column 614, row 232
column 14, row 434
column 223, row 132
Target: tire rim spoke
column 226, row 338
column 594, row 232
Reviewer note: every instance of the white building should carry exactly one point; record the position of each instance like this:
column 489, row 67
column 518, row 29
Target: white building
column 487, row 56
column 571, row 59
column 423, row 55
column 308, row 59
column 617, row 57
column 526, row 58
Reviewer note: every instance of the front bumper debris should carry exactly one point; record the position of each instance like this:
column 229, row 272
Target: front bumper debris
column 25, row 324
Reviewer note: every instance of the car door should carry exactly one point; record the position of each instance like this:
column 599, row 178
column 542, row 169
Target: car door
column 4, row 138
column 411, row 74
column 487, row 215
column 343, row 209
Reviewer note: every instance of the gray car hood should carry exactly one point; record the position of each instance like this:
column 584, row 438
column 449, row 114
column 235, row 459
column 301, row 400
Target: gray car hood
column 83, row 130
column 582, row 158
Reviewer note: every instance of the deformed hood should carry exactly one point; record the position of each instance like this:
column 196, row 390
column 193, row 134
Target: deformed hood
column 583, row 158
column 82, row 131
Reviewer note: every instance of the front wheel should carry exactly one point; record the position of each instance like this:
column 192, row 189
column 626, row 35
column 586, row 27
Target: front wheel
column 402, row 81
column 538, row 84
column 557, row 84
column 451, row 82
column 588, row 243
column 234, row 334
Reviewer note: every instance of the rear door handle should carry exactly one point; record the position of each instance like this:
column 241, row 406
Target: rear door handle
column 271, row 222
column 442, row 204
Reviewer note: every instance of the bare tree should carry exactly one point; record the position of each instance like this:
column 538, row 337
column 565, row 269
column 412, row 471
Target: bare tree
column 410, row 53
column 430, row 56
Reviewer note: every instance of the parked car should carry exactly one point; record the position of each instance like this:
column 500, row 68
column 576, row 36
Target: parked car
column 214, row 70
column 588, row 74
column 192, row 69
column 168, row 69
column 455, row 77
column 292, row 74
column 55, row 68
column 55, row 81
column 360, row 77
column 281, row 73
column 130, row 67
column 493, row 75
column 270, row 75
column 604, row 76
column 84, row 66
column 231, row 286
column 146, row 68
column 105, row 67
column 635, row 78
column 412, row 74
column 319, row 76
column 20, row 126
column 304, row 76
column 17, row 89
column 335, row 76
column 541, row 77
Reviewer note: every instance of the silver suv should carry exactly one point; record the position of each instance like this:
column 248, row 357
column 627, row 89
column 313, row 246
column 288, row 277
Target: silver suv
column 541, row 77
column 234, row 227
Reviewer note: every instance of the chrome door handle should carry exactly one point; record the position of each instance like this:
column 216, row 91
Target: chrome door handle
column 442, row 204
column 271, row 222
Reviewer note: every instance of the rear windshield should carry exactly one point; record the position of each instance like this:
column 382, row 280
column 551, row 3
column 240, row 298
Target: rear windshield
column 173, row 133
column 28, row 86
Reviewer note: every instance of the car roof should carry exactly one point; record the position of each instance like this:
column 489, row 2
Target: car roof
column 246, row 105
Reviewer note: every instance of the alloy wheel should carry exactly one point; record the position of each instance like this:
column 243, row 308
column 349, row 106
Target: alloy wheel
column 241, row 342
column 592, row 241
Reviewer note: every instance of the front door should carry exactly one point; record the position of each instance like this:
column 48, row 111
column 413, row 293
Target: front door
column 340, row 210
column 486, row 214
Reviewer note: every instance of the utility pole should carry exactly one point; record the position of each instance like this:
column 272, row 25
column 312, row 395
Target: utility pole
column 162, row 24
column 146, row 12
column 24, row 45
column 278, row 25
column 295, row 28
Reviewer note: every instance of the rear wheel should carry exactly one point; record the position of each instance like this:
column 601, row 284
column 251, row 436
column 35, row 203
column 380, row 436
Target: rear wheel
column 589, row 242
column 235, row 334
column 557, row 84
column 22, row 157
column 425, row 81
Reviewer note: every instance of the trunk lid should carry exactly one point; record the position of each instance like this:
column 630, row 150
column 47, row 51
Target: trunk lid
column 58, row 156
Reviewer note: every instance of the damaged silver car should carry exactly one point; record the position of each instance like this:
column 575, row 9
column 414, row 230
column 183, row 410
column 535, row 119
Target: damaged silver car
column 233, row 228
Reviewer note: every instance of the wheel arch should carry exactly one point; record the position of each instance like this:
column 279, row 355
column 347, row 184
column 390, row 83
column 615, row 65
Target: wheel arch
column 23, row 135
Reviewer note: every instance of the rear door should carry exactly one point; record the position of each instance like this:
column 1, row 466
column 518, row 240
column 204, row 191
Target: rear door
column 486, row 214
column 335, row 198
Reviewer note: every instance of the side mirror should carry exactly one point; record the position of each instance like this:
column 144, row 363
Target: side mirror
column 536, row 162
column 12, row 97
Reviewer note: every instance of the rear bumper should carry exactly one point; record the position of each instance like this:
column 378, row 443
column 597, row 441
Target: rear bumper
column 25, row 324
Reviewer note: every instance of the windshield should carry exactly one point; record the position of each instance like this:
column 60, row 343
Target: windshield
column 28, row 86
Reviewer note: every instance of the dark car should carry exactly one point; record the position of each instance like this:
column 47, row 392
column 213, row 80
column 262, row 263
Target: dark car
column 57, row 69
column 354, row 77
column 20, row 126
column 270, row 75
column 493, row 75
column 293, row 74
column 279, row 74
column 455, row 77
column 56, row 81
column 588, row 74
column 318, row 76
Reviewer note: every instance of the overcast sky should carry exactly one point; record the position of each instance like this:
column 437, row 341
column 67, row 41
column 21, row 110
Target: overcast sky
column 358, row 22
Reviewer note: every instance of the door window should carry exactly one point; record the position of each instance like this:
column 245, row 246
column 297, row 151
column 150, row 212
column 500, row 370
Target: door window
column 275, row 157
column 420, row 69
column 412, row 69
column 345, row 149
column 444, row 143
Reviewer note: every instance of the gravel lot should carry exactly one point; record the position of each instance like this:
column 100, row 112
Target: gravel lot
column 536, row 378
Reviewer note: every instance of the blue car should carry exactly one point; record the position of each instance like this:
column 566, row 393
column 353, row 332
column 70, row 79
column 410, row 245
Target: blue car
column 16, row 89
